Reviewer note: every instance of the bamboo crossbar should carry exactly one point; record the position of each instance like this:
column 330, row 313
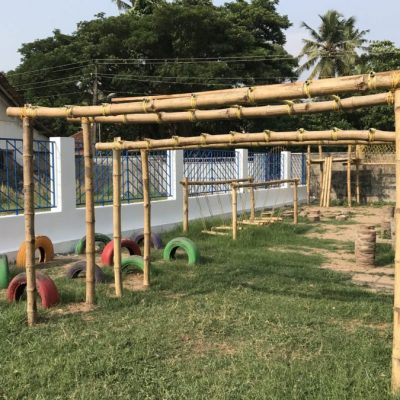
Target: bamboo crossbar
column 237, row 112
column 263, row 184
column 219, row 182
column 236, row 138
column 247, row 95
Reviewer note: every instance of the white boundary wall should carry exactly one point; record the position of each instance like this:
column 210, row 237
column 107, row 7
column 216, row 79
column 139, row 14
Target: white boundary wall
column 65, row 224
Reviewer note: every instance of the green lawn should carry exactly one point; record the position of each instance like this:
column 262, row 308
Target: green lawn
column 250, row 322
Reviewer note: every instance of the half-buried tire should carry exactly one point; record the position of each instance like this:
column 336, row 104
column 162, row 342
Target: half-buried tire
column 80, row 247
column 45, row 247
column 45, row 287
column 156, row 241
column 79, row 268
column 107, row 256
column 187, row 245
column 4, row 272
column 132, row 264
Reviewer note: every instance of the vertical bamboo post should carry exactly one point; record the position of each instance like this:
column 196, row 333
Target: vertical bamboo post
column 117, row 219
column 29, row 217
column 328, row 194
column 89, row 198
column 295, row 202
column 357, row 180
column 321, row 167
column 308, row 174
column 252, row 201
column 185, row 221
column 147, row 217
column 234, row 212
column 396, row 317
column 349, row 175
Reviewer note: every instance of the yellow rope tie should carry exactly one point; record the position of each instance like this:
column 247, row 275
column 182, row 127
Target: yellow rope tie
column 250, row 95
column 176, row 138
column 204, row 138
column 192, row 115
column 334, row 134
column 267, row 135
column 125, row 119
column 159, row 118
column 390, row 98
column 290, row 105
column 395, row 80
column 148, row 141
column 337, row 105
column 69, row 111
column 106, row 109
column 300, row 134
column 232, row 137
column 193, row 101
column 238, row 111
column 371, row 135
column 372, row 81
column 306, row 89
column 145, row 102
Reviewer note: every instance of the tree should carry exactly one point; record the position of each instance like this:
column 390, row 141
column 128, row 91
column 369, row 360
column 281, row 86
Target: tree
column 332, row 49
column 182, row 46
column 138, row 7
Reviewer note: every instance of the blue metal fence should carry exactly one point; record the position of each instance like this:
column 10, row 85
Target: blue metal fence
column 11, row 175
column 210, row 165
column 298, row 167
column 265, row 166
column 131, row 179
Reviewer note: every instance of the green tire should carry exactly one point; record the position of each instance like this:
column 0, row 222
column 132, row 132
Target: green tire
column 185, row 244
column 4, row 272
column 132, row 264
column 80, row 247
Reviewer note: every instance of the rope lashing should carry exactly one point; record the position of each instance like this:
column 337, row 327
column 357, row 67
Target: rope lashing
column 192, row 115
column 204, row 138
column 238, row 111
column 390, row 98
column 125, row 119
column 148, row 141
column 395, row 80
column 159, row 118
column 146, row 107
column 372, row 81
column 28, row 111
column 176, row 138
column 290, row 105
column 106, row 109
column 69, row 111
column 334, row 133
column 300, row 133
column 337, row 105
column 267, row 135
column 307, row 89
column 371, row 135
column 193, row 101
column 250, row 95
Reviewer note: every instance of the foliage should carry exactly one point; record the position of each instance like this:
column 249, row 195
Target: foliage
column 331, row 51
column 157, row 53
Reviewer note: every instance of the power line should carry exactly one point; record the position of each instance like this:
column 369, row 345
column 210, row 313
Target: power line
column 78, row 65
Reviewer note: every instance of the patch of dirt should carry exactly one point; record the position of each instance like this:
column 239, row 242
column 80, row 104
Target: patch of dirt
column 202, row 347
column 131, row 282
column 75, row 308
column 353, row 325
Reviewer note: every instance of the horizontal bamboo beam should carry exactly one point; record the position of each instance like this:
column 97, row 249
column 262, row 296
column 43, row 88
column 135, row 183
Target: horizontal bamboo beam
column 266, row 183
column 246, row 95
column 220, row 182
column 237, row 112
column 238, row 138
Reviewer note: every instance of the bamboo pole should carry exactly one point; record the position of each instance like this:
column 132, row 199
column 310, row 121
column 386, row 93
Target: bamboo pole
column 185, row 204
column 238, row 138
column 217, row 182
column 295, row 203
column 263, row 184
column 321, row 171
column 246, row 95
column 117, row 220
column 308, row 174
column 29, row 218
column 234, row 212
column 147, row 217
column 349, row 176
column 396, row 316
column 358, row 182
column 90, row 220
column 236, row 112
column 252, row 201
column 328, row 194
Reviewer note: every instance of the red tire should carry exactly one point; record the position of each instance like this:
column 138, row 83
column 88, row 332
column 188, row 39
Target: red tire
column 45, row 287
column 107, row 256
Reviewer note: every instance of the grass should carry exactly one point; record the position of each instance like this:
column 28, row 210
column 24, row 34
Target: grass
column 250, row 322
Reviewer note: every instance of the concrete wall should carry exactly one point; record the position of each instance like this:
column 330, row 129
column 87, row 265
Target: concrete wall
column 65, row 224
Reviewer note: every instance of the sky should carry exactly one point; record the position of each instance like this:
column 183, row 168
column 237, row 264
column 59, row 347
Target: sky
column 26, row 20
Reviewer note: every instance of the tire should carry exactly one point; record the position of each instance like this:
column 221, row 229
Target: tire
column 185, row 244
column 156, row 241
column 76, row 269
column 4, row 272
column 132, row 264
column 80, row 247
column 45, row 247
column 45, row 287
column 107, row 256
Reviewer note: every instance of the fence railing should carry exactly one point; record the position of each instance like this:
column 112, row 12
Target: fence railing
column 298, row 166
column 265, row 166
column 11, row 175
column 210, row 165
column 131, row 179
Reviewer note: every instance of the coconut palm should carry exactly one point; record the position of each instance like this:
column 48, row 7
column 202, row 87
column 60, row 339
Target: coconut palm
column 136, row 6
column 332, row 49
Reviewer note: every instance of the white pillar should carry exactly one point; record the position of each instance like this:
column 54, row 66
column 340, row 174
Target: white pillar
column 64, row 174
column 286, row 166
column 177, row 174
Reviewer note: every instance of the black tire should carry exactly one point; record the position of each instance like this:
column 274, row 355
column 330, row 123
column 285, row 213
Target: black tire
column 80, row 267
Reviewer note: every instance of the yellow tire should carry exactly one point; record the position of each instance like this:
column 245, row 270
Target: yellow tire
column 45, row 247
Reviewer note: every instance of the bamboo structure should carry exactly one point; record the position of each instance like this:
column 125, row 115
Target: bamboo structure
column 348, row 169
column 185, row 224
column 29, row 212
column 295, row 201
column 246, row 95
column 90, row 220
column 308, row 174
column 117, row 220
column 147, row 217
column 252, row 201
column 234, row 213
column 396, row 316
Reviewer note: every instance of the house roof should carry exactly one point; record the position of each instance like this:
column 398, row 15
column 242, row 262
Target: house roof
column 9, row 93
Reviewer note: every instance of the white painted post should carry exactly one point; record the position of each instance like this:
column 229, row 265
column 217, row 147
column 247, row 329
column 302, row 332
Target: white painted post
column 177, row 175
column 64, row 174
column 286, row 166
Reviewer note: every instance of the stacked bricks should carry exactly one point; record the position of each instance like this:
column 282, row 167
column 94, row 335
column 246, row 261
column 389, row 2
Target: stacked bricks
column 365, row 246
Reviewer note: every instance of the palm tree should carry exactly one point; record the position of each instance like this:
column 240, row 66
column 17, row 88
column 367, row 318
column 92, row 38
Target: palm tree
column 331, row 51
column 137, row 6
